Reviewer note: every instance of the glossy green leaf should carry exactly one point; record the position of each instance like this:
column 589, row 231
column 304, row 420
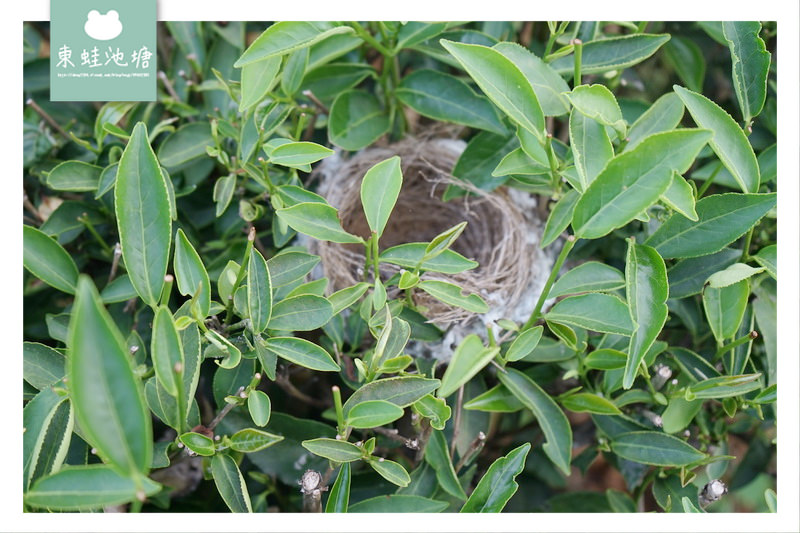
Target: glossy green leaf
column 142, row 207
column 548, row 85
column 444, row 97
column 42, row 366
column 679, row 414
column 287, row 36
column 259, row 292
column 328, row 81
column 585, row 402
column 654, row 448
column 302, row 352
column 453, row 295
column 593, row 311
column 588, row 277
column 81, row 488
column 724, row 386
column 688, row 276
column 107, row 396
column 686, row 57
column 198, row 443
column 185, row 146
column 380, row 188
column 293, row 71
column 498, row 399
column 680, row 197
column 398, row 503
column 750, row 65
column 524, row 344
column 767, row 257
column 48, row 261
column 250, row 440
column 258, row 78
column 438, row 456
column 301, row 313
column 357, row 119
column 647, row 290
column 518, row 163
column 341, row 300
column 319, row 221
column 412, row 33
column 338, row 451
column 111, row 113
column 613, row 53
column 664, row 115
column 230, row 484
column 469, row 358
column 560, row 217
column 498, row 484
column 409, row 255
column 287, row 267
column 565, row 333
column 372, row 414
column 606, row 359
column 729, row 141
column 591, row 147
column 47, row 421
column 724, row 308
column 634, row 180
column 191, row 274
column 476, row 163
column 556, row 428
column 502, row 81
column 230, row 354
column 390, row 471
column 75, row 176
column 598, row 102
column 732, row 274
column 434, row 409
column 223, row 192
column 167, row 352
column 298, row 154
column 260, row 407
column 339, row 496
column 401, row 391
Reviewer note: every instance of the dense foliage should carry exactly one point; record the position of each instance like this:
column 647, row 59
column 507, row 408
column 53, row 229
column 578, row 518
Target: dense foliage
column 179, row 356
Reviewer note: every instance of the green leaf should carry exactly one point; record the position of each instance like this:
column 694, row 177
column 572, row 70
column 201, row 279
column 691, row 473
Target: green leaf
column 593, row 311
column 230, row 484
column 341, row 300
column 167, row 352
column 410, row 254
column 654, row 448
column 767, row 257
column 584, row 402
column 258, row 78
column 546, row 83
column 412, row 33
column 338, row 451
column 398, row 503
column 524, row 344
column 438, row 456
column 729, row 141
column 48, row 261
column 82, row 488
column 339, row 496
column 679, row 414
column 724, row 308
column 664, row 115
column 646, row 290
column 724, row 386
column 613, row 53
column 518, row 163
column 42, row 366
column 191, row 274
column 502, row 81
column 498, row 399
column 688, row 506
column 634, row 180
column 444, row 97
column 47, row 421
column 372, row 414
column 687, row 277
column 605, row 359
column 142, row 207
column 476, row 163
column 259, row 292
column 356, row 120
column 686, row 57
column 287, row 36
column 75, row 176
column 469, row 358
column 298, row 154
column 252, row 440
column 293, row 71
column 319, row 221
column 380, row 188
column 732, row 274
column 588, row 277
column 110, row 113
column 183, row 147
column 498, row 484
column 390, row 471
column 434, row 409
column 198, row 443
column 560, row 217
column 301, row 313
column 680, row 197
column 401, row 391
column 556, row 428
column 591, row 147
column 223, row 193
column 288, row 267
column 750, row 65
column 598, row 102
column 453, row 295
column 107, row 396
column 260, row 407
column 302, row 352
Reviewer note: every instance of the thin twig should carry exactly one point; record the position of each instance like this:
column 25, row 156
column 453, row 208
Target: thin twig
column 282, row 380
column 115, row 262
column 412, row 444
column 311, row 486
column 225, row 410
column 457, row 420
column 310, row 95
column 475, row 448
column 47, row 118
column 168, row 85
column 26, row 202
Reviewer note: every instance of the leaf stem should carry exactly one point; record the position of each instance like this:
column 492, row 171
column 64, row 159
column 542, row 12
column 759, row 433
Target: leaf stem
column 251, row 237
column 375, row 255
column 709, row 181
column 568, row 245
column 369, row 39
column 578, row 51
column 734, row 344
column 166, row 292
column 84, row 219
column 746, row 248
column 337, row 403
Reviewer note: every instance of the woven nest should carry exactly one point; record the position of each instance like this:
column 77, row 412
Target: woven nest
column 502, row 233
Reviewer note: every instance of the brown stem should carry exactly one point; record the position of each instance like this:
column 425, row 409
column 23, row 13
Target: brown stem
column 475, row 448
column 311, row 486
column 26, row 202
column 282, row 380
column 308, row 94
column 47, row 118
column 412, row 444
column 168, row 85
column 225, row 410
column 115, row 262
column 457, row 420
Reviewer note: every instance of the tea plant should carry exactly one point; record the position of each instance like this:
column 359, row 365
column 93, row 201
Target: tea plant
column 180, row 357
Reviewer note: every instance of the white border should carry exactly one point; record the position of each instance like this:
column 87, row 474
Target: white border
column 787, row 13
